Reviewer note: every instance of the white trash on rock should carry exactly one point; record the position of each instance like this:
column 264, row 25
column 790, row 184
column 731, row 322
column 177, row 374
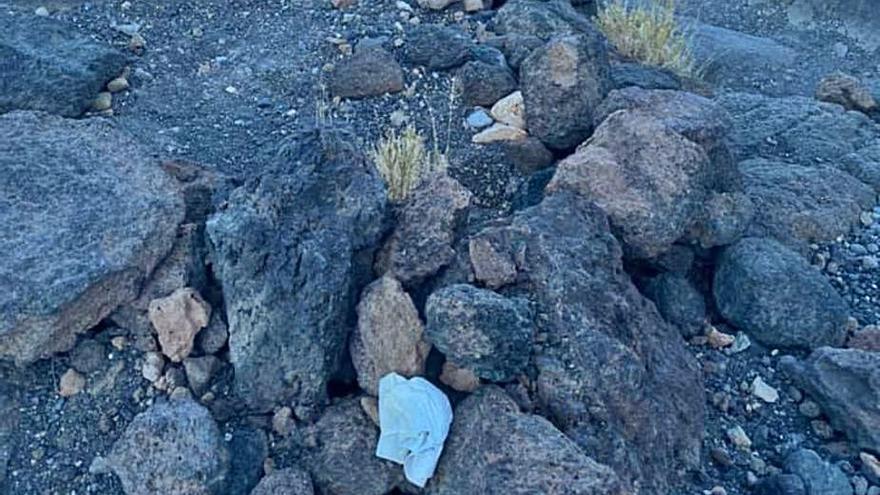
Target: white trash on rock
column 414, row 417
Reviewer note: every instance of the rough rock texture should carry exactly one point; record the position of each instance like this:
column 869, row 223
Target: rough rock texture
column 49, row 66
column 177, row 319
column 369, row 72
column 611, row 373
column 346, row 433
column 288, row 481
column 847, row 91
column 731, row 58
column 480, row 330
column 482, row 83
column 174, row 448
column 845, row 383
column 628, row 74
column 515, row 47
column 800, row 205
column 437, row 47
column 819, row 477
column 421, row 244
column 771, row 292
column 86, row 214
column 9, row 418
column 725, row 218
column 493, row 448
column 285, row 252
column 804, row 131
column 562, row 83
column 541, row 19
column 679, row 302
column 781, row 484
column 248, row 450
column 389, row 335
column 650, row 180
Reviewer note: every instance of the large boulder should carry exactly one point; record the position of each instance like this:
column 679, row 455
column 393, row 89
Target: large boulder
column 480, row 330
column 820, row 477
column 85, row 215
column 343, row 459
column 804, row 131
column 49, row 66
column 612, row 374
column 772, row 293
column 494, row 448
column 437, row 47
column 389, row 335
column 369, row 72
column 174, row 448
column 540, row 18
column 799, row 205
column 562, row 84
column 422, row 241
column 846, row 384
column 651, row 180
column 288, row 481
column 289, row 252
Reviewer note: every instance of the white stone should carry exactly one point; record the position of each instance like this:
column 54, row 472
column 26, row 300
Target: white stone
column 763, row 391
column 499, row 132
column 510, row 110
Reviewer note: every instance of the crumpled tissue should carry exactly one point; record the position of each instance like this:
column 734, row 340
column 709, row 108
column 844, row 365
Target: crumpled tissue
column 414, row 418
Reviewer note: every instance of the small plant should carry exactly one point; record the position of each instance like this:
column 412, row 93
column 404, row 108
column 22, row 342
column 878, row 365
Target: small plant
column 649, row 34
column 401, row 159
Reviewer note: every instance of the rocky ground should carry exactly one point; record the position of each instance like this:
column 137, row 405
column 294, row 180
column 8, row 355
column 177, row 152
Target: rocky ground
column 625, row 282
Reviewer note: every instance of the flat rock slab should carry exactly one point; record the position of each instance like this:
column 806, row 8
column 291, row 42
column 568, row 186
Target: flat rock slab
column 47, row 65
column 84, row 215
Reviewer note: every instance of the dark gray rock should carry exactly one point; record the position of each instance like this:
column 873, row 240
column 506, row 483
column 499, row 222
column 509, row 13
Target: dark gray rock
column 173, row 447
column 494, row 448
column 800, row 205
column 612, row 374
column 539, row 18
column 726, row 217
column 845, row 384
column 679, row 302
column 650, row 180
column 781, row 484
column 421, row 244
column 437, row 47
column 288, row 481
column 480, row 330
column 772, row 293
column 562, row 84
column 199, row 371
column 9, row 419
column 697, row 118
column 482, row 83
column 804, row 131
column 344, row 459
column 85, row 214
column 528, row 155
column 819, row 477
column 628, row 74
column 516, row 47
column 286, row 252
column 213, row 337
column 248, row 449
column 49, row 66
column 737, row 60
column 369, row 72
column 88, row 356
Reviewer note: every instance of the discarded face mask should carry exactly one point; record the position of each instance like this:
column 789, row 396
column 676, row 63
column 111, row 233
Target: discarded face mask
column 414, row 417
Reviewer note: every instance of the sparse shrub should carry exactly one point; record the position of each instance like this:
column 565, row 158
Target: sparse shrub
column 402, row 160
column 648, row 33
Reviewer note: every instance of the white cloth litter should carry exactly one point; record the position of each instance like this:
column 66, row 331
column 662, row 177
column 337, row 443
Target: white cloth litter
column 414, row 417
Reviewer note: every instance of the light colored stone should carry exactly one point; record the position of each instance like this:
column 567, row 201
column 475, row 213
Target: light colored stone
column 739, row 438
column 763, row 391
column 490, row 267
column 117, row 85
column 71, row 383
column 847, row 91
column 282, row 421
column 461, row 379
column 388, row 337
column 154, row 363
column 104, row 101
column 870, row 466
column 718, row 339
column 435, row 4
column 499, row 132
column 177, row 319
column 42, row 11
column 510, row 110
column 473, row 5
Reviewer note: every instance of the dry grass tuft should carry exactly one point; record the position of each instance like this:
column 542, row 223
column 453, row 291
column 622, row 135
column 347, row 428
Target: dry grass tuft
column 649, row 34
column 402, row 160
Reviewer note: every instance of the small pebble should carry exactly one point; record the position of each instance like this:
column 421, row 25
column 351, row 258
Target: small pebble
column 763, row 391
column 738, row 437
column 71, row 383
column 104, row 101
column 42, row 12
column 809, row 409
column 117, row 85
column 479, row 119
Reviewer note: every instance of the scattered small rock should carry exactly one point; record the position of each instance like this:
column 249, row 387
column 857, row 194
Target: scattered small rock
column 461, row 379
column 118, row 84
column 177, row 319
column 478, row 119
column 499, row 132
column 739, row 438
column 71, row 383
column 104, row 101
column 153, row 366
column 763, row 391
